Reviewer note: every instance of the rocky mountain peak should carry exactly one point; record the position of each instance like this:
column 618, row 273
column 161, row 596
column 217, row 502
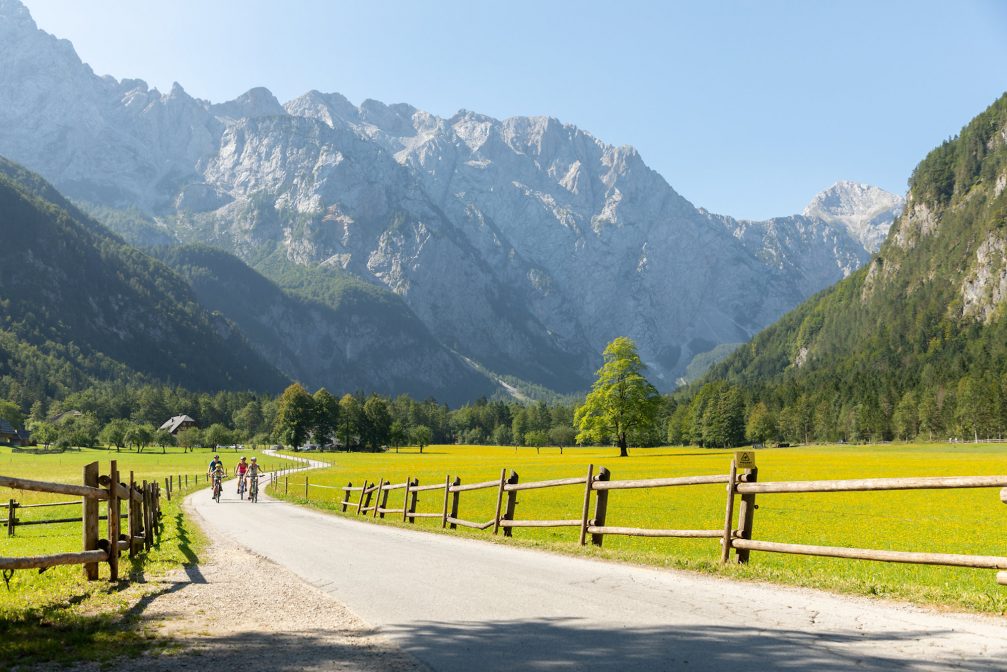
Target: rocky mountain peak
column 14, row 15
column 866, row 212
column 256, row 102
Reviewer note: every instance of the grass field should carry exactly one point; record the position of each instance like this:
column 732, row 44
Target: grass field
column 57, row 616
column 946, row 521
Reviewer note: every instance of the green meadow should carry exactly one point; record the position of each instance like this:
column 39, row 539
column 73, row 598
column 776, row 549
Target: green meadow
column 945, row 521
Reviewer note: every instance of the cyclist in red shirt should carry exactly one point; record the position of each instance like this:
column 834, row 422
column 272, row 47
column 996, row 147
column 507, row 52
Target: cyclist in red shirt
column 239, row 471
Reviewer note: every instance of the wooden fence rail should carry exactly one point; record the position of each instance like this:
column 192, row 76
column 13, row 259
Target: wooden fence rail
column 142, row 519
column 736, row 533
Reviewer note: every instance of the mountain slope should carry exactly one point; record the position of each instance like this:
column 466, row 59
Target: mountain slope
column 524, row 244
column 80, row 305
column 341, row 334
column 920, row 333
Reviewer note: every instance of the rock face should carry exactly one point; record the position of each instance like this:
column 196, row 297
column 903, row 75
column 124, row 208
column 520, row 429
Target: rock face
column 865, row 212
column 524, row 245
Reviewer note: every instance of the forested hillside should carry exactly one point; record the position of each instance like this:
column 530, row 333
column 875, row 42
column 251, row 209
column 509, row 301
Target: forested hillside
column 913, row 344
column 78, row 305
column 328, row 329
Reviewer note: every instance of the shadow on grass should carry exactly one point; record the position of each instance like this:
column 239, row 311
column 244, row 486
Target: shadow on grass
column 567, row 644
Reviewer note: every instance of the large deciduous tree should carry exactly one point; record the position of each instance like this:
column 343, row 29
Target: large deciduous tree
column 294, row 416
column 622, row 401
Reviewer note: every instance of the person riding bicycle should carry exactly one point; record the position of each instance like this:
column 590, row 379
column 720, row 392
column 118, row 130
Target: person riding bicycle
column 239, row 471
column 253, row 473
column 218, row 477
column 214, row 463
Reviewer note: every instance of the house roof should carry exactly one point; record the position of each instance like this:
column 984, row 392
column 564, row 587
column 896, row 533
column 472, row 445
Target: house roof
column 174, row 423
column 6, row 427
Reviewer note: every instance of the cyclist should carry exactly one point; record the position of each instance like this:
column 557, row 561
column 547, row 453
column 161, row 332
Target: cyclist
column 254, row 470
column 214, row 463
column 218, row 478
column 239, row 471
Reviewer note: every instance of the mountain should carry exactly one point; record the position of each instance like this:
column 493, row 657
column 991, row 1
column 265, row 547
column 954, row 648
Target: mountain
column 339, row 333
column 917, row 340
column 80, row 306
column 523, row 245
column 865, row 212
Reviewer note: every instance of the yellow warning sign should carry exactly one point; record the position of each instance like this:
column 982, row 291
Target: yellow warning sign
column 745, row 459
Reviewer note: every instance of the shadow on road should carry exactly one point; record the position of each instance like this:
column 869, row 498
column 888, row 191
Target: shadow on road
column 565, row 644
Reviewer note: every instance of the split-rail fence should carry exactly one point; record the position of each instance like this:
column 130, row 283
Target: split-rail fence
column 742, row 485
column 142, row 519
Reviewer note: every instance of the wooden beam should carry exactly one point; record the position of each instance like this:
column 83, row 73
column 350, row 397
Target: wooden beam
column 646, row 532
column 89, row 518
column 532, row 485
column 58, row 488
column 660, row 482
column 540, row 523
column 42, row 561
column 872, row 484
column 474, row 486
column 948, row 559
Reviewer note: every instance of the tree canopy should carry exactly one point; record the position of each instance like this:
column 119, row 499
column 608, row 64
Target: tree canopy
column 622, row 402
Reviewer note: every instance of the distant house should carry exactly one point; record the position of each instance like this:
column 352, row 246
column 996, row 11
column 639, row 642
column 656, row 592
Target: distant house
column 15, row 437
column 178, row 423
column 65, row 415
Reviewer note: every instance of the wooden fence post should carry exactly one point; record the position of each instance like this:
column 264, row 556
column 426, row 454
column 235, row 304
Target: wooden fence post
column 511, row 503
column 377, row 499
column 405, row 499
column 447, row 486
column 305, row 487
column 167, row 489
column 732, row 484
column 113, row 522
column 600, row 506
column 1002, row 576
column 11, row 512
column 286, row 484
column 89, row 516
column 131, row 520
column 746, row 514
column 346, row 496
column 360, row 502
column 455, row 496
column 148, row 537
column 587, row 505
column 500, row 494
column 413, row 500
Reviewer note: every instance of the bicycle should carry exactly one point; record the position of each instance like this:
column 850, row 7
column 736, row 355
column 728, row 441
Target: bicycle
column 216, row 489
column 253, row 490
column 241, row 486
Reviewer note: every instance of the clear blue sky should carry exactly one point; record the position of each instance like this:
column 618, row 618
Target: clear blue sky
column 746, row 108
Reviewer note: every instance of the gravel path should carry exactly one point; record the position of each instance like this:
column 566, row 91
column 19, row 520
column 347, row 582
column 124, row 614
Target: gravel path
column 235, row 601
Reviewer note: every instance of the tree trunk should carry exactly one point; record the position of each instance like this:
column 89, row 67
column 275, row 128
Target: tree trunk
column 623, row 448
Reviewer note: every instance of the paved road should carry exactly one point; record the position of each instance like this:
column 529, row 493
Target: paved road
column 460, row 604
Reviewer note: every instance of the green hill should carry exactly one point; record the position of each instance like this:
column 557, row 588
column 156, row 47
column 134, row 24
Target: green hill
column 79, row 306
column 915, row 343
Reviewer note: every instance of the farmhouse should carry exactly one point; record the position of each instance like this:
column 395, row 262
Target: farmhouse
column 12, row 436
column 178, row 423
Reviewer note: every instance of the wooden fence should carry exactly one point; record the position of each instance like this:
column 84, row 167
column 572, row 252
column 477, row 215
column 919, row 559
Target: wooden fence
column 372, row 499
column 143, row 519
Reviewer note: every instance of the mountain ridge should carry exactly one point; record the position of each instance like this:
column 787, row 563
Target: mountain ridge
column 524, row 244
